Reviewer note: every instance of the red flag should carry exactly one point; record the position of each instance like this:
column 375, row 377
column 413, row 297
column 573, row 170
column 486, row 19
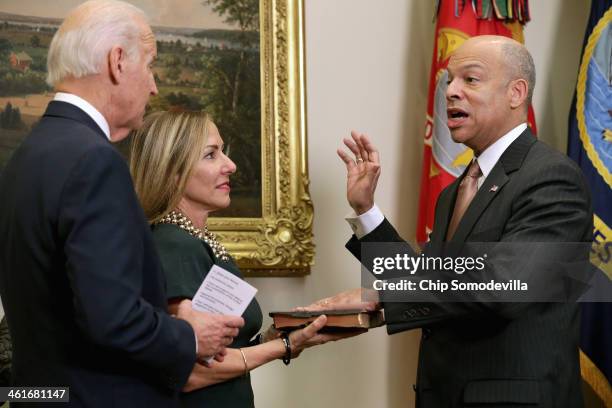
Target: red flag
column 444, row 160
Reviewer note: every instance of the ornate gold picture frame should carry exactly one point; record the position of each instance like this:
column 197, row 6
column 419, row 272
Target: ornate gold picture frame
column 280, row 242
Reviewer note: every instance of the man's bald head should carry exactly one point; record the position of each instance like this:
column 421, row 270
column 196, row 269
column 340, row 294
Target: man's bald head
column 513, row 56
column 519, row 65
column 490, row 84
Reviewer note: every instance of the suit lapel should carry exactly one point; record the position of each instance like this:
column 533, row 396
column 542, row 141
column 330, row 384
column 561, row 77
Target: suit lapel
column 66, row 110
column 481, row 201
column 510, row 161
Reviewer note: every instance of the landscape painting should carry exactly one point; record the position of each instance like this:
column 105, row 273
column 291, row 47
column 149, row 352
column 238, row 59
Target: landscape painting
column 208, row 59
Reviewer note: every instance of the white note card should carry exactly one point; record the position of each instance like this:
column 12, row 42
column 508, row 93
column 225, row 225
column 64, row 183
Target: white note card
column 224, row 293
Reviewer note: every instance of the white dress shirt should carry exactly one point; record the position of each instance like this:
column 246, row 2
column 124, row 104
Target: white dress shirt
column 489, row 158
column 86, row 107
column 367, row 222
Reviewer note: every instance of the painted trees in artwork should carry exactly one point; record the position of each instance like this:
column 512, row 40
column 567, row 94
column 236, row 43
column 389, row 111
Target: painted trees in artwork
column 245, row 15
column 232, row 83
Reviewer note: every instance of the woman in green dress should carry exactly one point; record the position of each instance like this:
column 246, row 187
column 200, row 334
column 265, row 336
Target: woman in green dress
column 181, row 174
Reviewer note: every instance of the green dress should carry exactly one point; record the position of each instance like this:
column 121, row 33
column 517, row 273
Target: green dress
column 186, row 260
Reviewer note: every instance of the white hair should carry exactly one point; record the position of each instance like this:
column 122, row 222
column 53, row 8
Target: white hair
column 81, row 44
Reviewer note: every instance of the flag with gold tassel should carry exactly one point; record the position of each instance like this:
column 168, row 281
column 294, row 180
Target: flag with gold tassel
column 457, row 20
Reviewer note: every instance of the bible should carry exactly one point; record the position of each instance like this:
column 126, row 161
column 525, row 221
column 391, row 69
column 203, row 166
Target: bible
column 337, row 320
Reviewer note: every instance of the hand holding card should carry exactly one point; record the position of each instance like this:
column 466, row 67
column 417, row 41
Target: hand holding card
column 223, row 293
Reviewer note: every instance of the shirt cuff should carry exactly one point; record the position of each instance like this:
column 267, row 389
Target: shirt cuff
column 365, row 223
column 196, row 339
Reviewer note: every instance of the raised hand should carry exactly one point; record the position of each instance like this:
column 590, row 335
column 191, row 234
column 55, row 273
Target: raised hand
column 214, row 332
column 362, row 170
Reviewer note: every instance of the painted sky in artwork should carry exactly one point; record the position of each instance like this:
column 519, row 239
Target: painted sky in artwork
column 172, row 13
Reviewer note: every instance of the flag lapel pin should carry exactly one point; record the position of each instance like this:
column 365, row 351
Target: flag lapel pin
column 493, row 188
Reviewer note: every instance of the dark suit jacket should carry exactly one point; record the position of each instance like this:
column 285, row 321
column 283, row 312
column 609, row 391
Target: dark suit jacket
column 80, row 280
column 502, row 354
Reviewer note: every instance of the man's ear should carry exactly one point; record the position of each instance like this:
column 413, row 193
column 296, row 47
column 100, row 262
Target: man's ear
column 116, row 63
column 518, row 92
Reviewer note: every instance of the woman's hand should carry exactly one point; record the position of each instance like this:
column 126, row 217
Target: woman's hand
column 309, row 336
column 233, row 364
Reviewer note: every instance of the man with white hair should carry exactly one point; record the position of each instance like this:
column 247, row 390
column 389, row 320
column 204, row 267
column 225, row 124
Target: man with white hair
column 80, row 280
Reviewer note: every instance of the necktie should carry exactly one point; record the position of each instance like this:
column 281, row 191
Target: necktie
column 465, row 194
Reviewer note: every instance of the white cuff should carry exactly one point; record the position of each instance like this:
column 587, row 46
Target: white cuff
column 365, row 223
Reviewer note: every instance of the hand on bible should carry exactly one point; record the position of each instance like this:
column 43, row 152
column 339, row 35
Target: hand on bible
column 359, row 299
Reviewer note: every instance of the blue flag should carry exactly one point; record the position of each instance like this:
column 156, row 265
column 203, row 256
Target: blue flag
column 590, row 145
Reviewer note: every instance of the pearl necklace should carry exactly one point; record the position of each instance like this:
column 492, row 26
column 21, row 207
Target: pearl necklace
column 176, row 217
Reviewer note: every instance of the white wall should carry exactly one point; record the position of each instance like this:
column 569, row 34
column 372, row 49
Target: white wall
column 367, row 68
column 365, row 71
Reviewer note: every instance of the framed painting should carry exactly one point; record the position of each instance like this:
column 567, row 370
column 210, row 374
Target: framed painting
column 242, row 61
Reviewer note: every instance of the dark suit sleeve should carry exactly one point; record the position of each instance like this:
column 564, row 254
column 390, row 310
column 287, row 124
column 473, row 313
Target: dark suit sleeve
column 400, row 316
column 552, row 204
column 102, row 225
column 383, row 233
